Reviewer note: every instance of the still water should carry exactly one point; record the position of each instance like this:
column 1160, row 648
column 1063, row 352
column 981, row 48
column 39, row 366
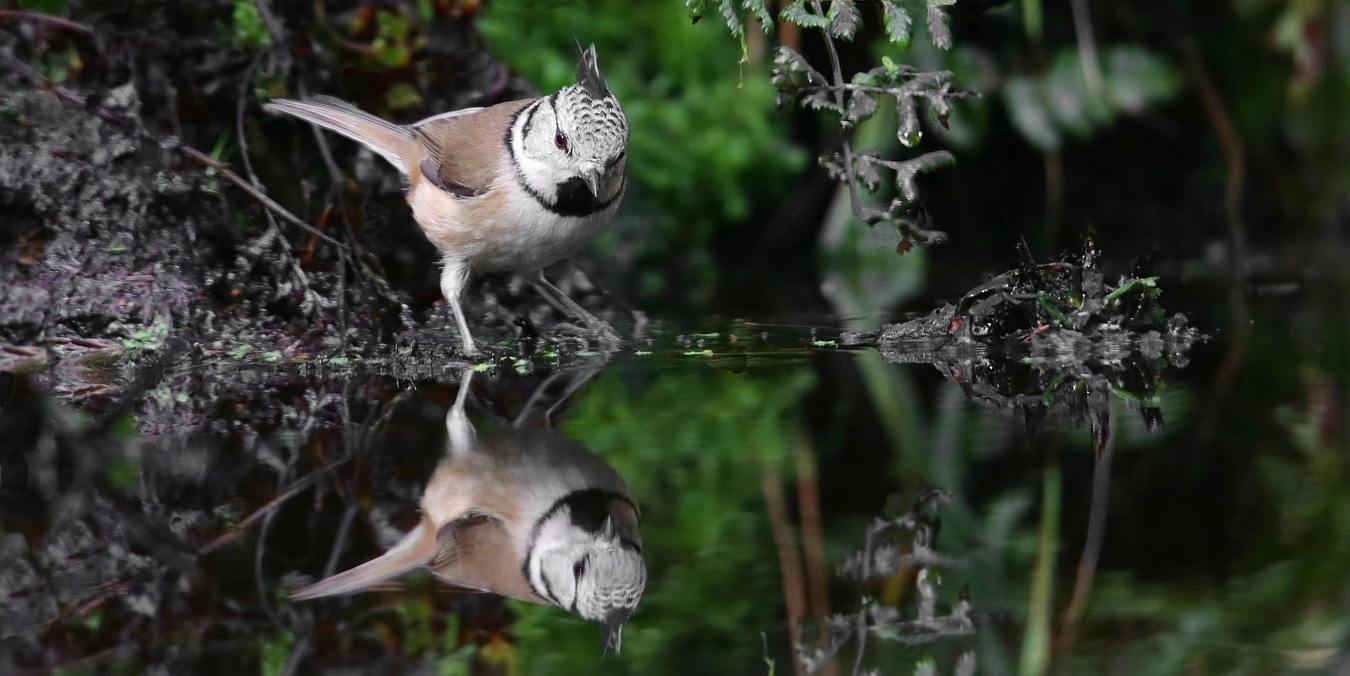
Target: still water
column 967, row 516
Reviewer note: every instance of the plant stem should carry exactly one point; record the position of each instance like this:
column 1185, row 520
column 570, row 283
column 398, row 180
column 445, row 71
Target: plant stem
column 1031, row 19
column 839, row 84
column 1036, row 640
column 1087, row 46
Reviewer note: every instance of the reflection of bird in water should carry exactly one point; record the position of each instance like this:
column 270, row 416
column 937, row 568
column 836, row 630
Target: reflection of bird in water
column 522, row 513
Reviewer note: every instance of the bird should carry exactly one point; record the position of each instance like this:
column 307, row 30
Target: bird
column 524, row 513
column 513, row 187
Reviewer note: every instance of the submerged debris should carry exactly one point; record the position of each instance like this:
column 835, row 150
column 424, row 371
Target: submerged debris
column 1053, row 340
column 914, row 532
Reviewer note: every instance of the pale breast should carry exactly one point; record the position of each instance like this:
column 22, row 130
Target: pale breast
column 504, row 229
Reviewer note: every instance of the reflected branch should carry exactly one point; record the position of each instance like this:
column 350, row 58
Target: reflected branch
column 789, row 561
column 295, row 489
column 1092, row 549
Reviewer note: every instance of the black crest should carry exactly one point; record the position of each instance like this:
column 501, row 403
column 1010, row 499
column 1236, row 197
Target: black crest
column 588, row 73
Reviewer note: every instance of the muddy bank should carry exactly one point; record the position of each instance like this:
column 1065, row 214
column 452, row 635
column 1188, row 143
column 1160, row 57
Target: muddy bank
column 123, row 230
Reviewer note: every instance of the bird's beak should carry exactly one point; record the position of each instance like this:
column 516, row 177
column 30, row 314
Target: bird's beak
column 592, row 179
column 612, row 628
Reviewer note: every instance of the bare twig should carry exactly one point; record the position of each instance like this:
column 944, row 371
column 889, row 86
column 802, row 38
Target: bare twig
column 340, row 542
column 106, row 591
column 1092, row 549
column 789, row 558
column 258, row 553
column 311, row 299
column 274, row 27
column 813, row 540
column 299, row 651
column 20, row 15
column 336, row 178
column 1087, row 46
column 266, row 201
column 295, row 488
column 1235, row 159
column 838, row 74
column 112, row 116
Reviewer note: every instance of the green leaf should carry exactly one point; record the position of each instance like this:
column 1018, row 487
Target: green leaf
column 1044, row 299
column 732, row 17
column 123, row 476
column 860, row 105
column 938, row 29
column 273, row 652
column 798, row 13
column 844, row 19
column 1136, row 79
column 760, row 9
column 898, row 24
column 1132, row 285
column 249, row 28
column 1029, row 115
column 696, row 9
column 402, row 95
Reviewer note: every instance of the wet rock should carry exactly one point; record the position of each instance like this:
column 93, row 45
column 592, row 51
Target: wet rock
column 27, row 604
column 81, row 564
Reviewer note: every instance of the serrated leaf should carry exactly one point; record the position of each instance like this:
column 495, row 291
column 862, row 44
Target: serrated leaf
column 907, row 111
column 798, row 13
column 905, row 173
column 760, row 9
column 834, row 166
column 821, row 100
column 869, row 173
column 844, row 19
column 732, row 17
column 898, row 23
column 794, row 62
column 938, row 29
column 860, row 105
column 866, row 79
column 965, row 665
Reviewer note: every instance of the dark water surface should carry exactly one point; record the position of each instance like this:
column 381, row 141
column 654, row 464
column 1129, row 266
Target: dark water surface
column 1190, row 520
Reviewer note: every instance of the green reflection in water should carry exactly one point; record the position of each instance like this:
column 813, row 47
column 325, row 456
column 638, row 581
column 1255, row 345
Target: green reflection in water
column 693, row 445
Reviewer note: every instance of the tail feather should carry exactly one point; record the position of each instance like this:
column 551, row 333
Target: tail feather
column 415, row 549
column 392, row 142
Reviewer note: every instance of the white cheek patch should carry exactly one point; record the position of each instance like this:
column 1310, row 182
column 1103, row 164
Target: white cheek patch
column 558, row 546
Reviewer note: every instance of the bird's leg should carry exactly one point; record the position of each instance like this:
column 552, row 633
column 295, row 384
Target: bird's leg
column 567, row 306
column 453, row 277
column 457, row 426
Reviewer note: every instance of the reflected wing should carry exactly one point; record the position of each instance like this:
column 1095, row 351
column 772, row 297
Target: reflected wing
column 415, row 549
column 478, row 552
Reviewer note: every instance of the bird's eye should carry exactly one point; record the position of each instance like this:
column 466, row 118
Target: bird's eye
column 579, row 569
column 560, row 140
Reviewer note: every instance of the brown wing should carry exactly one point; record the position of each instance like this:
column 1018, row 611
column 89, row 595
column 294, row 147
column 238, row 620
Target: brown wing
column 466, row 151
column 478, row 552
